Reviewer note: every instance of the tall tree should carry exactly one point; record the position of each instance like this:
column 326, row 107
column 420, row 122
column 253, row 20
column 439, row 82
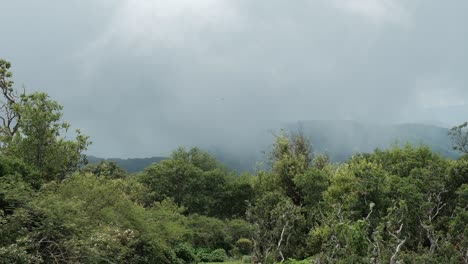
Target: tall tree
column 8, row 115
column 32, row 129
column 291, row 156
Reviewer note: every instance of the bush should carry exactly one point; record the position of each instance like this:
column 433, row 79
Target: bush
column 186, row 253
column 218, row 255
column 244, row 245
column 203, row 254
column 148, row 251
column 16, row 254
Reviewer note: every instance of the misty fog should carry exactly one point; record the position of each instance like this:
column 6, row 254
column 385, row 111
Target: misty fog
column 143, row 77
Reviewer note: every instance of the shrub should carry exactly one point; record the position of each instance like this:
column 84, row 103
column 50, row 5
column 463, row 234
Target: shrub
column 203, row 254
column 218, row 255
column 244, row 245
column 185, row 253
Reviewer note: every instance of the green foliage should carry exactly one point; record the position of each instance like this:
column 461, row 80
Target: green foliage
column 196, row 181
column 203, row 254
column 39, row 140
column 18, row 183
column 208, row 232
column 218, row 255
column 185, row 253
column 401, row 161
column 238, row 228
column 312, row 184
column 8, row 116
column 244, row 245
column 198, row 158
column 18, row 254
column 276, row 221
column 14, row 192
column 32, row 130
column 291, row 156
column 108, row 169
column 89, row 219
column 384, row 205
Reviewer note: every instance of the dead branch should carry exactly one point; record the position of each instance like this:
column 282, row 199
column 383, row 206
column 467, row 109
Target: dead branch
column 393, row 259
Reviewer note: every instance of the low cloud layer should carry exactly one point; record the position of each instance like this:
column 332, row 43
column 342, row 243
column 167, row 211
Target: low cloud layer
column 143, row 77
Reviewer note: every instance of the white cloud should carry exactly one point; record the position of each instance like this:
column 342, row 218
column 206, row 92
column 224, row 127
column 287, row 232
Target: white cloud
column 387, row 11
column 140, row 27
column 139, row 23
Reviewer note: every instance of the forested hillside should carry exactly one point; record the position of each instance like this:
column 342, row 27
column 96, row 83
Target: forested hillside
column 405, row 204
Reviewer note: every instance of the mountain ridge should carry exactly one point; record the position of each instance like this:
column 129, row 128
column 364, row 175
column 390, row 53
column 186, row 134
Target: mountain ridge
column 339, row 139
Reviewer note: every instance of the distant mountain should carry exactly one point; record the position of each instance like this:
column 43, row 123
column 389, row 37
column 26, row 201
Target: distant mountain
column 130, row 165
column 338, row 139
column 341, row 139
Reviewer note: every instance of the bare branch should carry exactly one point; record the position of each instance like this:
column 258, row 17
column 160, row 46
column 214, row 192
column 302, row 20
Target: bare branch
column 393, row 259
column 281, row 240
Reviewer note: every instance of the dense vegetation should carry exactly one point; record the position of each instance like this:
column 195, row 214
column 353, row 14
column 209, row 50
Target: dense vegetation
column 402, row 205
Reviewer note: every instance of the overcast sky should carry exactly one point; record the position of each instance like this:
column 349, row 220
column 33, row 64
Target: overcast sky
column 142, row 77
